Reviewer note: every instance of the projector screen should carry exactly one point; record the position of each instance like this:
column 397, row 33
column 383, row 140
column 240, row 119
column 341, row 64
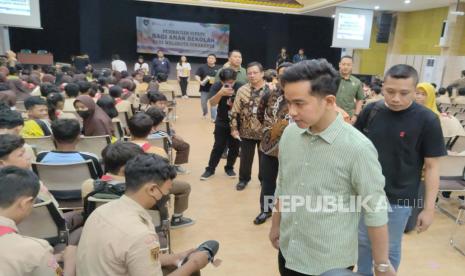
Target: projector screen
column 352, row 28
column 20, row 13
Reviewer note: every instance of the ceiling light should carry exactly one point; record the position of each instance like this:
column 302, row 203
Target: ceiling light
column 376, row 7
column 407, row 2
column 333, row 16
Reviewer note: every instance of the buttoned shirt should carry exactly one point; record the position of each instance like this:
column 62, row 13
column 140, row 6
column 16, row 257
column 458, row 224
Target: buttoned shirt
column 349, row 90
column 339, row 164
column 119, row 239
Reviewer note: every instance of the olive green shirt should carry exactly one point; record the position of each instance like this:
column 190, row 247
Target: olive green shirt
column 241, row 75
column 340, row 163
column 349, row 90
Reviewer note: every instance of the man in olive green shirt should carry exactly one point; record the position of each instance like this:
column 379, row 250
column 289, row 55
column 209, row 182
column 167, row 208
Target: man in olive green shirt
column 350, row 92
column 328, row 174
column 235, row 62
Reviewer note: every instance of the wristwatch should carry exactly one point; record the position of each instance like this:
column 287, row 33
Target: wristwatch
column 382, row 267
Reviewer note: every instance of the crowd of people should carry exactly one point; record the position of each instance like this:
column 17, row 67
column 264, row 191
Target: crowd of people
column 318, row 133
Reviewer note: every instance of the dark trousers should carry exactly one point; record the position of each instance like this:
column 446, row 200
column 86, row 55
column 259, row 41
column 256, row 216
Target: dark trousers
column 287, row 272
column 223, row 140
column 183, row 85
column 247, row 154
column 269, row 170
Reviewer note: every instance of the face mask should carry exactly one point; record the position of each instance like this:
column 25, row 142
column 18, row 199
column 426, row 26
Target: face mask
column 84, row 113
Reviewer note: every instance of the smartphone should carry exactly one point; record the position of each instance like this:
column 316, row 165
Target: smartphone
column 227, row 86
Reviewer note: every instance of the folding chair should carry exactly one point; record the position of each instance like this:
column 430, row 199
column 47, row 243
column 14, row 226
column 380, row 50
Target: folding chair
column 458, row 225
column 20, row 106
column 124, row 118
column 460, row 117
column 119, row 132
column 45, row 222
column 451, row 170
column 41, row 143
column 457, row 144
column 93, row 144
column 454, row 110
column 445, row 106
column 64, row 181
column 170, row 96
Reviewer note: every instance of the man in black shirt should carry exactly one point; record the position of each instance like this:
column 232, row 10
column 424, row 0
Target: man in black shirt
column 409, row 141
column 222, row 94
column 206, row 76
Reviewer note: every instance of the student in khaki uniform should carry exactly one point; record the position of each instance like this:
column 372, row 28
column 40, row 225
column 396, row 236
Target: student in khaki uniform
column 119, row 237
column 26, row 256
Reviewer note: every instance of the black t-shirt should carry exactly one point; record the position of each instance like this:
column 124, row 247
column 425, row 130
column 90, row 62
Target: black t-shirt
column 225, row 104
column 403, row 139
column 204, row 71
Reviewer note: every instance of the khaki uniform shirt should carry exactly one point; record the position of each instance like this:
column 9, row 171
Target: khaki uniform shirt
column 443, row 99
column 119, row 239
column 124, row 106
column 459, row 100
column 25, row 256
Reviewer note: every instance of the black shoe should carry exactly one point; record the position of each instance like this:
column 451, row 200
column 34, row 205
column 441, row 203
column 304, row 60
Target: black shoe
column 261, row 218
column 230, row 172
column 241, row 185
column 206, row 175
column 177, row 222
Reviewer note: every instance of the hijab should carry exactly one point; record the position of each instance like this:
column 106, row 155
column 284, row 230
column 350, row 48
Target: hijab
column 430, row 101
column 98, row 122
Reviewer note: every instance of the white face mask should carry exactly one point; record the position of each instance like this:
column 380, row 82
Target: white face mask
column 13, row 108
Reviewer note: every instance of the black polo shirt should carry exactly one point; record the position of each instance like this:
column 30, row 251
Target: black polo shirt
column 204, row 71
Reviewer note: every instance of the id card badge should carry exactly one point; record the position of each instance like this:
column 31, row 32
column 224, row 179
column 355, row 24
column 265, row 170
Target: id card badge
column 254, row 110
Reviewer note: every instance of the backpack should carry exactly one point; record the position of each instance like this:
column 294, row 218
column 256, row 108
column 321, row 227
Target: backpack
column 103, row 190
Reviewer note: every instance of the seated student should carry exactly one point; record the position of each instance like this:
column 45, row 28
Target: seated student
column 460, row 99
column 375, row 95
column 95, row 121
column 11, row 122
column 84, row 87
column 181, row 147
column 163, row 85
column 72, row 92
column 140, row 126
column 121, row 105
column 55, row 102
column 38, row 124
column 26, row 255
column 119, row 237
column 443, row 96
column 66, row 134
column 107, row 104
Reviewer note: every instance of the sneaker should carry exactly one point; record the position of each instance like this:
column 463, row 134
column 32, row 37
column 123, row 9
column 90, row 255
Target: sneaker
column 178, row 222
column 241, row 185
column 230, row 172
column 206, row 175
column 181, row 170
column 185, row 97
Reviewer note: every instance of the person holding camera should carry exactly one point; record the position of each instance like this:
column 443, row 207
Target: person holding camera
column 222, row 94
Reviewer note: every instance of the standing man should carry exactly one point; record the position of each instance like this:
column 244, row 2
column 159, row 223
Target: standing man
column 206, row 76
column 245, row 125
column 222, row 95
column 409, row 141
column 350, row 93
column 117, row 64
column 160, row 64
column 235, row 63
column 300, row 56
column 322, row 157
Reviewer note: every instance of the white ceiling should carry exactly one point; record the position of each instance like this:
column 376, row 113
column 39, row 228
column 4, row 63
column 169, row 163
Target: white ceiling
column 384, row 5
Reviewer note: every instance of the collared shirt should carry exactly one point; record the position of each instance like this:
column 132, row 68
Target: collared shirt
column 240, row 78
column 25, row 256
column 244, row 112
column 337, row 163
column 349, row 90
column 119, row 239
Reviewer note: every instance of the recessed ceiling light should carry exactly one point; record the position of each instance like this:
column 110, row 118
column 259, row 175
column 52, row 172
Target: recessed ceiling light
column 376, row 7
column 333, row 16
column 407, row 2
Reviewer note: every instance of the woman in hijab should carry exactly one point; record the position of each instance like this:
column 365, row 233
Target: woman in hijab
column 96, row 121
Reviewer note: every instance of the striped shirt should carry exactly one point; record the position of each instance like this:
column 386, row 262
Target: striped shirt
column 340, row 162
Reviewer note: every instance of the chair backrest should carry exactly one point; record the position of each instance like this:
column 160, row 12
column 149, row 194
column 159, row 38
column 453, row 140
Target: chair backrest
column 451, row 165
column 454, row 110
column 41, row 143
column 160, row 143
column 123, row 118
column 458, row 144
column 169, row 94
column 45, row 222
column 119, row 132
column 460, row 117
column 20, row 106
column 64, row 180
column 93, row 144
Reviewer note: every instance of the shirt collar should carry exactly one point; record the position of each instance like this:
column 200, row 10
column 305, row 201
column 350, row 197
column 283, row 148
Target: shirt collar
column 331, row 132
column 136, row 207
column 4, row 221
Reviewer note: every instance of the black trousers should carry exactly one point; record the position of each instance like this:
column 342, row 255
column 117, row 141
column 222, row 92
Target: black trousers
column 183, row 85
column 223, row 140
column 287, row 272
column 269, row 171
column 247, row 155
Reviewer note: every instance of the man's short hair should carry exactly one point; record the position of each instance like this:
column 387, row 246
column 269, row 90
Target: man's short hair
column 84, row 86
column 140, row 125
column 147, row 78
column 115, row 57
column 233, row 51
column 162, row 77
column 72, row 90
column 227, row 74
column 461, row 91
column 255, row 63
column 442, row 91
column 156, row 115
column 15, row 183
column 323, row 78
column 402, row 71
column 155, row 96
column 146, row 168
column 376, row 89
column 9, row 143
column 48, row 88
column 66, row 130
column 32, row 101
column 347, row 56
column 211, row 55
column 269, row 75
column 10, row 119
column 284, row 65
column 116, row 91
column 115, row 156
